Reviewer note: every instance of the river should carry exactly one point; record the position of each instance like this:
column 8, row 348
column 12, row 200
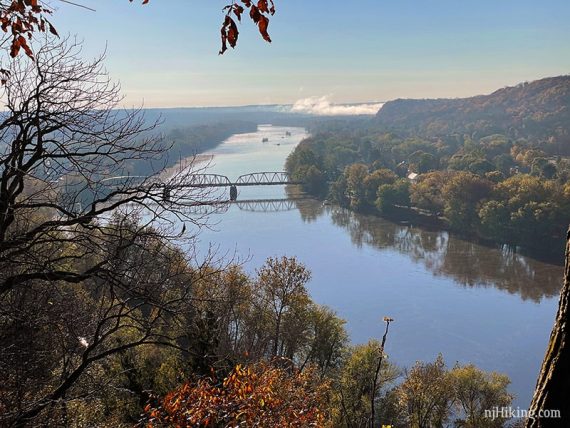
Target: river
column 472, row 303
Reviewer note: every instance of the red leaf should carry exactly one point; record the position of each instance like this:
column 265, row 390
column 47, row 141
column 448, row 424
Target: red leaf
column 24, row 45
column 233, row 33
column 254, row 14
column 263, row 24
column 238, row 10
column 262, row 6
column 15, row 48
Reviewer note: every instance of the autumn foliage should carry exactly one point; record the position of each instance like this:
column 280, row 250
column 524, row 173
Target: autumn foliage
column 258, row 12
column 20, row 19
column 262, row 395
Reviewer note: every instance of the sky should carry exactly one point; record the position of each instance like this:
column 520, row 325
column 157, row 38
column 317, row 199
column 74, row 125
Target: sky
column 165, row 54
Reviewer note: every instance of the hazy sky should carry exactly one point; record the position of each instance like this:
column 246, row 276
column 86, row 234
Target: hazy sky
column 165, row 53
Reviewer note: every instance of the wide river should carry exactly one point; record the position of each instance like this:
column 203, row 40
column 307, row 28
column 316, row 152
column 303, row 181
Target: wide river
column 472, row 303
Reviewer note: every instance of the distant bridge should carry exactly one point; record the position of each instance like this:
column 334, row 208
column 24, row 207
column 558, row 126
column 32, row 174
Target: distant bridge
column 265, row 178
column 252, row 179
column 169, row 190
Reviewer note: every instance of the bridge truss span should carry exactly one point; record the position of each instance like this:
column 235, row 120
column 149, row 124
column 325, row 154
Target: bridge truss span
column 207, row 180
column 217, row 180
column 264, row 179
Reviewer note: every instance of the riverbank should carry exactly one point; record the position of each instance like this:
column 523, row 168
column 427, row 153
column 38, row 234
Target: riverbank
column 472, row 303
column 518, row 206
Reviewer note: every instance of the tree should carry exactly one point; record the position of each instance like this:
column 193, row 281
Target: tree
column 476, row 391
column 78, row 232
column 281, row 288
column 533, row 207
column 22, row 18
column 426, row 394
column 542, row 167
column 67, row 155
column 422, row 162
column 76, row 329
column 313, row 179
column 431, row 395
column 328, row 341
column 234, row 321
column 390, row 195
column 304, row 165
column 355, row 190
column 222, row 328
column 463, row 194
column 496, row 220
column 359, row 384
column 504, row 162
column 427, row 192
column 374, row 180
column 553, row 384
column 481, row 167
column 377, row 373
column 338, row 191
column 258, row 395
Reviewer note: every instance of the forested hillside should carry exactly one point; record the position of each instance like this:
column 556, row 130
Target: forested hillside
column 492, row 166
column 537, row 109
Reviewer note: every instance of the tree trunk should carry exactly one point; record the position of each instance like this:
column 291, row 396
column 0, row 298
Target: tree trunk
column 277, row 333
column 553, row 386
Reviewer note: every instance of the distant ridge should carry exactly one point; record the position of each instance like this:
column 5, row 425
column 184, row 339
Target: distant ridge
column 538, row 109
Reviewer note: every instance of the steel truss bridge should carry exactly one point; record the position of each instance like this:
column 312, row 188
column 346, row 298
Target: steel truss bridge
column 169, row 191
column 252, row 179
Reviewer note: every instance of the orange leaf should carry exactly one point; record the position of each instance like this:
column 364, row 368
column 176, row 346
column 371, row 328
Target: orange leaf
column 263, row 24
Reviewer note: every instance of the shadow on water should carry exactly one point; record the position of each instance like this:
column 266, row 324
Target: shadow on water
column 468, row 263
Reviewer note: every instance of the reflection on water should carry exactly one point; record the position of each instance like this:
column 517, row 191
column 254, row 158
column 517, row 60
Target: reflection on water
column 467, row 263
column 473, row 303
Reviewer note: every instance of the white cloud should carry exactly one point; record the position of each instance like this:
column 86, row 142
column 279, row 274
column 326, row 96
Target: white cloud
column 322, row 106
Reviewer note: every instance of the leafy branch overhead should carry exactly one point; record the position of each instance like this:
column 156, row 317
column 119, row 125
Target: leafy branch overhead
column 20, row 19
column 259, row 13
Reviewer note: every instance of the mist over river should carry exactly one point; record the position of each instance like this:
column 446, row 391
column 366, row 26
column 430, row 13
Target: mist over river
column 472, row 303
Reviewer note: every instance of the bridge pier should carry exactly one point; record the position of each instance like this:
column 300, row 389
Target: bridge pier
column 233, row 192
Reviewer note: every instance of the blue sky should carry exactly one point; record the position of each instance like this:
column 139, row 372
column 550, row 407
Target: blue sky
column 165, row 53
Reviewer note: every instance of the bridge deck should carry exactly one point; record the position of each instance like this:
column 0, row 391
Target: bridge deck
column 229, row 184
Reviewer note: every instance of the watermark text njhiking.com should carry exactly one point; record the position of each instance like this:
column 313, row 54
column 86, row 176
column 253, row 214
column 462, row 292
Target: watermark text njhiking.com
column 509, row 412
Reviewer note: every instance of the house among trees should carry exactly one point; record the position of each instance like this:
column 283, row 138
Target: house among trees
column 412, row 176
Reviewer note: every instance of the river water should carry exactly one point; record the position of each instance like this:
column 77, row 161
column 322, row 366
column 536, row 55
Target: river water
column 472, row 303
